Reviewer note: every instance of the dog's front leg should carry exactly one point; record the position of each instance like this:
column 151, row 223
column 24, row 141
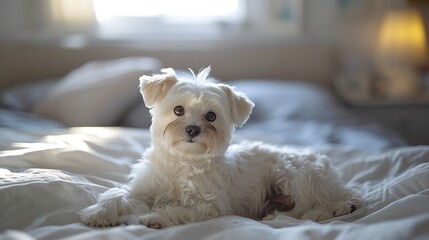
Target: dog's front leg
column 167, row 216
column 110, row 205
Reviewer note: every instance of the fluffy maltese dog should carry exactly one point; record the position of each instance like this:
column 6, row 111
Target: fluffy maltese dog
column 191, row 173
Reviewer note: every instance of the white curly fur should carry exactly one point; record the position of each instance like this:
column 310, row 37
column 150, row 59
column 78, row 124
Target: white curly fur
column 184, row 179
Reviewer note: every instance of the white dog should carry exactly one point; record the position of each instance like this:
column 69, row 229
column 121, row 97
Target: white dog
column 191, row 173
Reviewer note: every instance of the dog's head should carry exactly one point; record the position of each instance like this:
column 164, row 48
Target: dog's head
column 194, row 115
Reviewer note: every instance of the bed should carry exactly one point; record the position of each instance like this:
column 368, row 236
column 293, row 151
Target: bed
column 70, row 140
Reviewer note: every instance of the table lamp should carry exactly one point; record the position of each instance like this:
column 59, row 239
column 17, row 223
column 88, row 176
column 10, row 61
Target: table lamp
column 402, row 50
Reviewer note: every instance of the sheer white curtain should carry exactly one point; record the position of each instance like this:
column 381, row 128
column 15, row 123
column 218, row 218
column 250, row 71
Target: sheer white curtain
column 198, row 18
column 193, row 19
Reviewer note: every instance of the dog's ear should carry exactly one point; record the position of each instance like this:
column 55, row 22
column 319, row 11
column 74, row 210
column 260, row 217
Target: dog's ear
column 240, row 107
column 153, row 88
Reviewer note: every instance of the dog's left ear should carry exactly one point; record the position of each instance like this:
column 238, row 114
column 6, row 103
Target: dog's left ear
column 153, row 88
column 240, row 107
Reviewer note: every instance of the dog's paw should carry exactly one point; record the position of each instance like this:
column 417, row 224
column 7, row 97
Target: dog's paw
column 110, row 205
column 154, row 220
column 336, row 209
column 98, row 216
column 349, row 205
column 317, row 214
column 269, row 217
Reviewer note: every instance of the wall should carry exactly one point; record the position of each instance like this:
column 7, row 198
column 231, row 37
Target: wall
column 297, row 61
column 309, row 57
column 334, row 37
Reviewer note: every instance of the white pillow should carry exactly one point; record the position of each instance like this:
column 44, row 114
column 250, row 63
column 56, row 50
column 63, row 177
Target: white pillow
column 138, row 117
column 24, row 97
column 289, row 100
column 98, row 93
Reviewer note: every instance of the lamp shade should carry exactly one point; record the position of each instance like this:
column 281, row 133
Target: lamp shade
column 402, row 38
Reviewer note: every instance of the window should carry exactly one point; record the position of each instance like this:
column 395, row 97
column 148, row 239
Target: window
column 188, row 10
column 138, row 19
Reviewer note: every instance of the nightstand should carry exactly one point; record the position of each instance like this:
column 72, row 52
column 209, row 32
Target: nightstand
column 409, row 118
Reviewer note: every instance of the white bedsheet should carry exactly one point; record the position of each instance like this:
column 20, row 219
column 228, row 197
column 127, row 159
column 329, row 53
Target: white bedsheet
column 46, row 177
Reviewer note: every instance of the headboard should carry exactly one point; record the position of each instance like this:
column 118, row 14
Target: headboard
column 23, row 63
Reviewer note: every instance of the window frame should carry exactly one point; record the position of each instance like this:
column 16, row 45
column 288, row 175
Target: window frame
column 254, row 19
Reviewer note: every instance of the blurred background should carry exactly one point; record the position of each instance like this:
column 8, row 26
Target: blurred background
column 306, row 40
column 369, row 53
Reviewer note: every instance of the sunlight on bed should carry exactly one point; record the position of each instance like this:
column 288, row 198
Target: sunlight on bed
column 94, row 141
column 32, row 175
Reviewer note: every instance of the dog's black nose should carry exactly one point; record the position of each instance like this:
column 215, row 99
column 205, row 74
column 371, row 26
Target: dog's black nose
column 193, row 130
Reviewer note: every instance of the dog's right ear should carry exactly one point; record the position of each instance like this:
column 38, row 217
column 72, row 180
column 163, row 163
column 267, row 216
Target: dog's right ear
column 240, row 107
column 153, row 88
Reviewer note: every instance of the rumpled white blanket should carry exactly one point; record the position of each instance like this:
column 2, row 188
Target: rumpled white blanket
column 46, row 177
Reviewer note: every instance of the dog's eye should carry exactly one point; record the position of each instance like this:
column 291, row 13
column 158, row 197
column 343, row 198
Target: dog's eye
column 211, row 116
column 179, row 110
